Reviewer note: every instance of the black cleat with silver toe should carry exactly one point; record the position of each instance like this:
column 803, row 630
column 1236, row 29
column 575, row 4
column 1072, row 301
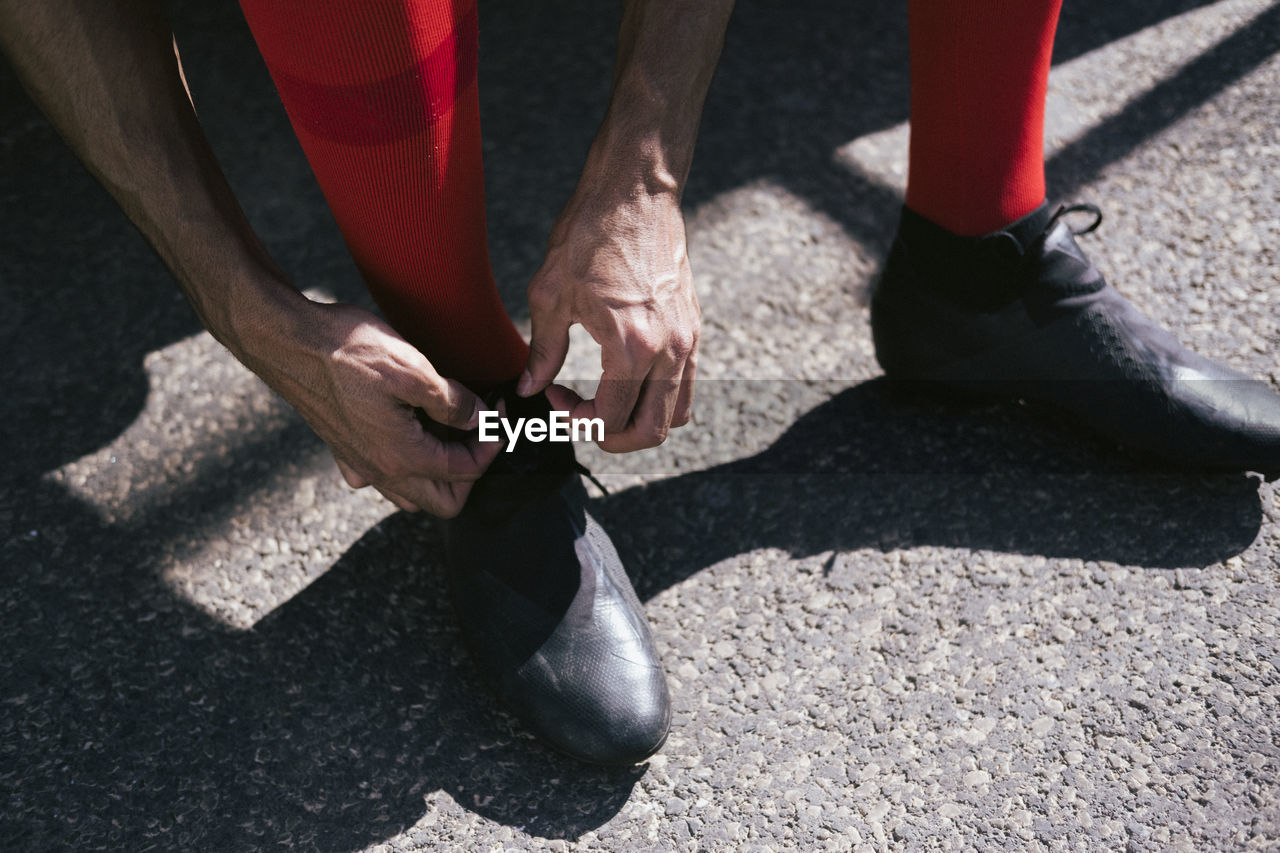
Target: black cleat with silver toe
column 548, row 611
column 1023, row 313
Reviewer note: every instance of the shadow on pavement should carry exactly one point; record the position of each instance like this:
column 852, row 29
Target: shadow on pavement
column 1164, row 104
column 876, row 467
column 129, row 718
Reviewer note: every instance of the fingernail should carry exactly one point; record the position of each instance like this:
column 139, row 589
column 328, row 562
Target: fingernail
column 525, row 385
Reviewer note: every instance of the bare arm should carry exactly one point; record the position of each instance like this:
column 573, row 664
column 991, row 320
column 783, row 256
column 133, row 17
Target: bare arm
column 617, row 260
column 106, row 74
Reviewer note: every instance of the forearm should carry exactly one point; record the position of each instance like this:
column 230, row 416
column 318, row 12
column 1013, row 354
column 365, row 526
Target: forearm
column 617, row 262
column 667, row 55
column 105, row 74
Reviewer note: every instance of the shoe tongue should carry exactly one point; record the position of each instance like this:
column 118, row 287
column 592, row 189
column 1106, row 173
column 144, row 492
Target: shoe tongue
column 1025, row 231
column 1056, row 269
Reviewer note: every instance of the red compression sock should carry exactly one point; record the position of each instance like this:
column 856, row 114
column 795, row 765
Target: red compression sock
column 979, row 71
column 382, row 95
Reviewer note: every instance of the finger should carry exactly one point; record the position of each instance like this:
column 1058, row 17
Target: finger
column 356, row 481
column 349, row 474
column 484, row 452
column 616, row 398
column 404, row 503
column 563, row 398
column 549, row 338
column 445, row 401
column 444, row 500
column 619, row 395
column 452, row 498
column 450, row 461
column 684, row 401
column 651, row 419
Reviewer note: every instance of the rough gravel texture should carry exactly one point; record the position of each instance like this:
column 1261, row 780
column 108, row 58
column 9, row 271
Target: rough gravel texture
column 890, row 623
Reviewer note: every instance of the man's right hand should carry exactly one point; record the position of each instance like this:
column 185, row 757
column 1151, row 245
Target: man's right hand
column 357, row 383
column 106, row 74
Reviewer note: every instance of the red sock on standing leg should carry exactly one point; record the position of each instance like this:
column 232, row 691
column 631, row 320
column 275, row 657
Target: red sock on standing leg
column 382, row 95
column 979, row 72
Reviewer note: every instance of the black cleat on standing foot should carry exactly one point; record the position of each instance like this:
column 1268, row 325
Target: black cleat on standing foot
column 1023, row 313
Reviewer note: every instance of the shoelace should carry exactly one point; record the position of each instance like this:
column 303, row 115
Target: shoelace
column 1005, row 244
column 584, row 471
column 1008, row 248
column 1065, row 209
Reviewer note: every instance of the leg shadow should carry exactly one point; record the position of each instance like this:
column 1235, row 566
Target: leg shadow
column 878, row 467
column 131, row 720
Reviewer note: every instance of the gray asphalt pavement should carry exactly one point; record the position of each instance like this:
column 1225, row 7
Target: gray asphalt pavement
column 890, row 623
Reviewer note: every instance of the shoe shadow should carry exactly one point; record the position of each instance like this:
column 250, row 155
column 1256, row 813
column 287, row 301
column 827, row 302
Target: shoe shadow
column 131, row 718
column 880, row 467
column 374, row 655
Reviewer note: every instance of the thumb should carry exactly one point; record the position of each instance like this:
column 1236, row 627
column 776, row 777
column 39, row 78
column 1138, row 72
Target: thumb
column 548, row 346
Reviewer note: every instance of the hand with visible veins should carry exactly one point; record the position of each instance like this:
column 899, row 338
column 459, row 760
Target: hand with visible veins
column 107, row 75
column 620, row 269
column 617, row 261
column 357, row 383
